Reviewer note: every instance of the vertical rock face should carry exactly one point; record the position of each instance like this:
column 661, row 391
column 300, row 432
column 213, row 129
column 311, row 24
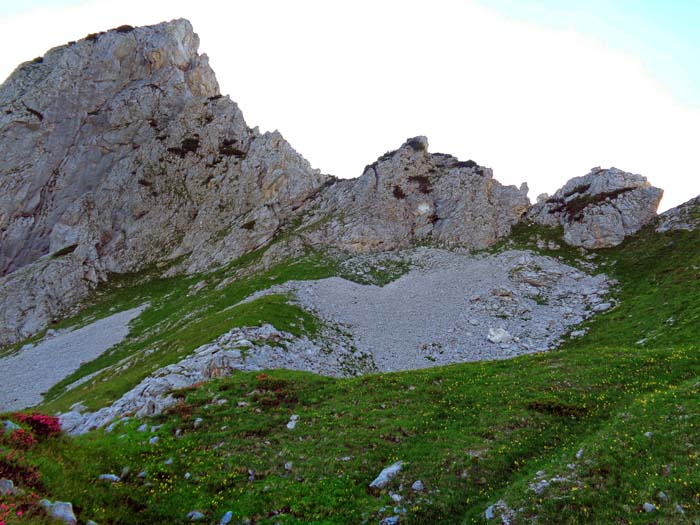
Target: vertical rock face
column 120, row 152
column 600, row 209
column 410, row 195
column 121, row 149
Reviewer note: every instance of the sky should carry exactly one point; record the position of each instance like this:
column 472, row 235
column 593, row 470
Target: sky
column 540, row 91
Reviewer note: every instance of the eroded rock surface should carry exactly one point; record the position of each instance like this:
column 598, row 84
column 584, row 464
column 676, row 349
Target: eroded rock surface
column 683, row 217
column 26, row 375
column 600, row 209
column 256, row 348
column 453, row 308
column 410, row 195
column 119, row 152
column 444, row 310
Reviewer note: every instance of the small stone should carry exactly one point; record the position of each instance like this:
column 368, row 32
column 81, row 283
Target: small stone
column 141, row 474
column 288, row 466
column 579, row 454
column 390, row 520
column 396, row 498
column 418, row 486
column 662, row 496
column 153, row 440
column 109, row 477
column 602, row 307
column 125, row 472
column 9, row 426
column 197, row 422
column 649, row 507
column 647, row 434
column 386, row 475
column 61, row 510
column 7, row 487
column 169, row 461
column 188, row 475
column 226, row 518
column 195, row 515
column 679, row 509
column 499, row 336
column 540, row 487
column 142, row 428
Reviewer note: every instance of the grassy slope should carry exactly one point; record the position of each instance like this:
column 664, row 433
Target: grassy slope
column 473, row 433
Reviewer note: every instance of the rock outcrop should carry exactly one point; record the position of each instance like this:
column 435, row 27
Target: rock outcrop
column 410, row 195
column 600, row 209
column 255, row 348
column 683, row 217
column 119, row 152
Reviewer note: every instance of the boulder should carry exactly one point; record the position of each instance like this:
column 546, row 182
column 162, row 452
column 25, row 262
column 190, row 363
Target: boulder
column 386, row 475
column 60, row 510
column 499, row 336
column 600, row 209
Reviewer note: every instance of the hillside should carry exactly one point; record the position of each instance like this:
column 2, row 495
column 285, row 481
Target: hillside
column 229, row 336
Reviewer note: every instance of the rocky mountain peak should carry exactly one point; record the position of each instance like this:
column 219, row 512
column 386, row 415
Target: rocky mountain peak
column 599, row 209
column 71, row 129
column 410, row 195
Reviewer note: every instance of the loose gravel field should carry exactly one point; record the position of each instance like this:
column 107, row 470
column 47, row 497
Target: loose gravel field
column 26, row 375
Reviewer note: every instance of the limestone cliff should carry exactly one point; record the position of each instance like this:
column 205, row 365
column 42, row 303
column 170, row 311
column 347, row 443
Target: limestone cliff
column 119, row 152
column 410, row 195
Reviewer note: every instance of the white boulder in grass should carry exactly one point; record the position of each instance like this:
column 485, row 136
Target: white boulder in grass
column 386, row 475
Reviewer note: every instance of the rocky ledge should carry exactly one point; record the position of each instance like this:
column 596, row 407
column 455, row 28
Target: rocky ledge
column 600, row 209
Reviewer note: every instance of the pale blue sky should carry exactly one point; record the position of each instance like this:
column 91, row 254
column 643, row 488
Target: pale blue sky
column 664, row 34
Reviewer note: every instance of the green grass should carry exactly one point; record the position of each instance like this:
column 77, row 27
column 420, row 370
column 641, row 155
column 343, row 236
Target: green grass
column 473, row 433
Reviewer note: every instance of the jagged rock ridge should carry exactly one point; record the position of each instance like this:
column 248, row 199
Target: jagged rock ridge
column 410, row 195
column 122, row 153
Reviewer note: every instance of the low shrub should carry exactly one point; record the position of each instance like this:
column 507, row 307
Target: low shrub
column 42, row 425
